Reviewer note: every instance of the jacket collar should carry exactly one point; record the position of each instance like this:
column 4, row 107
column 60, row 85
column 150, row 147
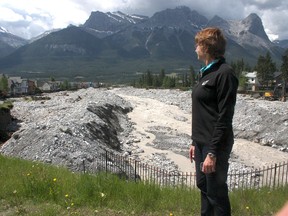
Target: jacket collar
column 211, row 65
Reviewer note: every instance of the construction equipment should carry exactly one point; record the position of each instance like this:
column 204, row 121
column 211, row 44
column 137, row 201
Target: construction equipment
column 274, row 94
column 268, row 95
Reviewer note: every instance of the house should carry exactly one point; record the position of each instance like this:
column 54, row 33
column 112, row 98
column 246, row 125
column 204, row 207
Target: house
column 49, row 86
column 278, row 87
column 31, row 86
column 252, row 81
column 19, row 86
column 14, row 84
column 277, row 78
column 46, row 87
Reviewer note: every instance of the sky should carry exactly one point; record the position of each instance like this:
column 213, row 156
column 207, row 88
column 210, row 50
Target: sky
column 30, row 18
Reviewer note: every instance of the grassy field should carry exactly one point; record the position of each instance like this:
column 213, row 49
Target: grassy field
column 30, row 188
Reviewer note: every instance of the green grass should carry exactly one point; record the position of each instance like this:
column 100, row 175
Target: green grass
column 6, row 105
column 30, row 188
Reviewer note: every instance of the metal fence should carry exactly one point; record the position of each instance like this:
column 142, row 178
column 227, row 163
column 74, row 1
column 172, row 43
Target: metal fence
column 272, row 176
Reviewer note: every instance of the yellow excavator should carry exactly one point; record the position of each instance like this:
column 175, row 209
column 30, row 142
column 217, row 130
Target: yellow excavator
column 274, row 94
column 269, row 95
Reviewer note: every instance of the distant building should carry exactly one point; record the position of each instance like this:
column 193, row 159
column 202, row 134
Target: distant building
column 19, row 86
column 14, row 84
column 31, row 86
column 277, row 78
column 49, row 86
column 252, row 80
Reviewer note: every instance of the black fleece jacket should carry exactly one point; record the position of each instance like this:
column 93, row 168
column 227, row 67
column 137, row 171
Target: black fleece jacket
column 213, row 102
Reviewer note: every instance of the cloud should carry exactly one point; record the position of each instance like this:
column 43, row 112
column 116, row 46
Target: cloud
column 276, row 23
column 30, row 18
column 266, row 4
column 6, row 14
column 273, row 15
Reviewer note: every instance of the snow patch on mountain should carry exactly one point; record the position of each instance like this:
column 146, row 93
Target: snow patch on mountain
column 3, row 30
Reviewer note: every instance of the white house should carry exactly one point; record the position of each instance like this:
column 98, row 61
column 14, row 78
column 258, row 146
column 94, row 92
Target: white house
column 252, row 80
column 47, row 86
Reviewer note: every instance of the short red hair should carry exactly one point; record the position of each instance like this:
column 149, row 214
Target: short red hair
column 213, row 42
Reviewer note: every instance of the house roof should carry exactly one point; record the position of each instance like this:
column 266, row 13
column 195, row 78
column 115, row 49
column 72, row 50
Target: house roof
column 16, row 79
column 251, row 74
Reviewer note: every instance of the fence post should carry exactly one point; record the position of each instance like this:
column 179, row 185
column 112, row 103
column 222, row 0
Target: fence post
column 163, row 177
column 135, row 170
column 106, row 161
column 83, row 162
column 275, row 172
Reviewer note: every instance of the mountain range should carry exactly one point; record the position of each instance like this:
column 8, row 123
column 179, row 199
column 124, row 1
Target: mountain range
column 118, row 47
column 9, row 42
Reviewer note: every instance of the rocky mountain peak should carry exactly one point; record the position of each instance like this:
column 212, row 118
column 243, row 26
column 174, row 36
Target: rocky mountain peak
column 104, row 24
column 179, row 17
column 111, row 21
column 219, row 22
column 9, row 42
column 253, row 24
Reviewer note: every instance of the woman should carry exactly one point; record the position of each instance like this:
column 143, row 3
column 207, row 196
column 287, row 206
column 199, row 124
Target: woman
column 213, row 102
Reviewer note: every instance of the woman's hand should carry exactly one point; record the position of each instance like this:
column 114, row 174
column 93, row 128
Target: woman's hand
column 191, row 153
column 209, row 165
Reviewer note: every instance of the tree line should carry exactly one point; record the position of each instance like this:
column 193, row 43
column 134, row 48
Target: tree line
column 265, row 68
column 161, row 80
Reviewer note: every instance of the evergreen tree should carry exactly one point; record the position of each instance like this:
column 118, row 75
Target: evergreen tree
column 238, row 67
column 265, row 69
column 142, row 80
column 65, row 85
column 242, row 80
column 185, row 80
column 162, row 76
column 149, row 79
column 192, row 76
column 169, row 82
column 4, row 85
column 284, row 70
column 156, row 82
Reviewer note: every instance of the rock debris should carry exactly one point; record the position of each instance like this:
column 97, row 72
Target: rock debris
column 74, row 129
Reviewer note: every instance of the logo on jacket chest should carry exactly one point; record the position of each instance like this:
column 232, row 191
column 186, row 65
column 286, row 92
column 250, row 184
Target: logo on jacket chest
column 205, row 82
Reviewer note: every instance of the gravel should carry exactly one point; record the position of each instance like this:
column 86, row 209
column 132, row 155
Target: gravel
column 67, row 128
column 258, row 120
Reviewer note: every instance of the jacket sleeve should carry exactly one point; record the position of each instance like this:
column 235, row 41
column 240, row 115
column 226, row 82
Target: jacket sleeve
column 226, row 88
